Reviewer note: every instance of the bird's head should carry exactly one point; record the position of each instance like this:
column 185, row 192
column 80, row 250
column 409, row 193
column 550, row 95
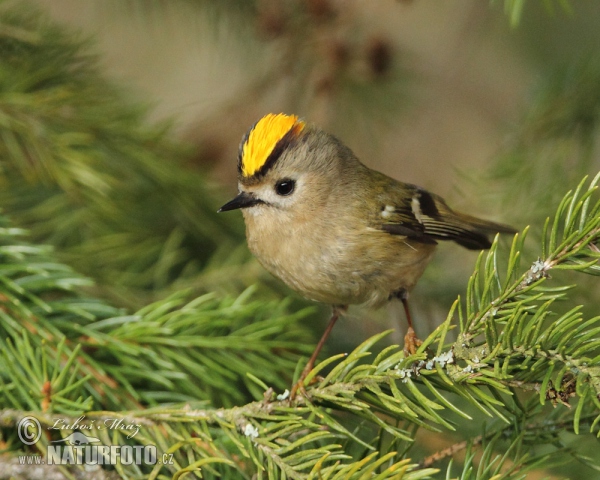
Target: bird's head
column 285, row 164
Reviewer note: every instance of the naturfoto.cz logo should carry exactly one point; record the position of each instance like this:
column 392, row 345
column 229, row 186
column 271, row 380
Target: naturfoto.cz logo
column 81, row 449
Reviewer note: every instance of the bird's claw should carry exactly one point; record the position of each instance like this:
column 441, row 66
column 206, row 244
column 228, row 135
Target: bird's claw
column 298, row 388
column 411, row 342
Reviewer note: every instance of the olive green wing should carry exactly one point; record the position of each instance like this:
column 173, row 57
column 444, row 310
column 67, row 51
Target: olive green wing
column 425, row 217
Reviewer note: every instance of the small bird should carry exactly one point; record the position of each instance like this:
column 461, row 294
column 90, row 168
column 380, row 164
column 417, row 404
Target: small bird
column 335, row 230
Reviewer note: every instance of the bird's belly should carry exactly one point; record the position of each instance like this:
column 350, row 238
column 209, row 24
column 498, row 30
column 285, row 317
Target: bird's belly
column 344, row 269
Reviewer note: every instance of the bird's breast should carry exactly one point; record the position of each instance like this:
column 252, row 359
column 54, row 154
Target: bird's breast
column 335, row 263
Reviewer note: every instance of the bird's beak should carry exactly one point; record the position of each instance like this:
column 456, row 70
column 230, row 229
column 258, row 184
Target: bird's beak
column 243, row 200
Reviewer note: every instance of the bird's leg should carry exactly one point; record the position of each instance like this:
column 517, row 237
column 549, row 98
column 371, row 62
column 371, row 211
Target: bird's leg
column 411, row 341
column 299, row 385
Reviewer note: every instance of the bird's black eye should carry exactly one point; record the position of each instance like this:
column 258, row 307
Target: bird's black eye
column 285, row 187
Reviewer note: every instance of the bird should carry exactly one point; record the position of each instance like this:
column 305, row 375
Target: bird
column 335, row 230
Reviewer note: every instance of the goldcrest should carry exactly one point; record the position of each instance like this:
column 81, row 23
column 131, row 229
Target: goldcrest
column 335, row 230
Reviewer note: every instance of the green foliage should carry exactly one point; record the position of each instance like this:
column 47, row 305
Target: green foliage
column 67, row 355
column 556, row 139
column 517, row 382
column 512, row 358
column 514, row 463
column 514, row 8
column 80, row 168
column 175, row 349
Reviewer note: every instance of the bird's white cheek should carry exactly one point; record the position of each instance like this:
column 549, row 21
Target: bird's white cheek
column 252, row 211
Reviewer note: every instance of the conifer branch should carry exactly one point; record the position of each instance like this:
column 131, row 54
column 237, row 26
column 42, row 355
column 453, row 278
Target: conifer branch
column 185, row 368
column 506, row 342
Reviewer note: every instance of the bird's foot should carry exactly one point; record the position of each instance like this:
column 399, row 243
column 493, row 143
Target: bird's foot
column 411, row 342
column 300, row 388
column 297, row 388
column 299, row 385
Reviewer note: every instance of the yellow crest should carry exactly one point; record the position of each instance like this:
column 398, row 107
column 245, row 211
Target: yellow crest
column 263, row 138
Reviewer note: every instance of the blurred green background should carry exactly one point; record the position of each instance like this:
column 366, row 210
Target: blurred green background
column 499, row 119
column 447, row 95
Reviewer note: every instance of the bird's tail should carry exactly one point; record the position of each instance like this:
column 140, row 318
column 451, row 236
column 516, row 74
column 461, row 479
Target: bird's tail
column 474, row 233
